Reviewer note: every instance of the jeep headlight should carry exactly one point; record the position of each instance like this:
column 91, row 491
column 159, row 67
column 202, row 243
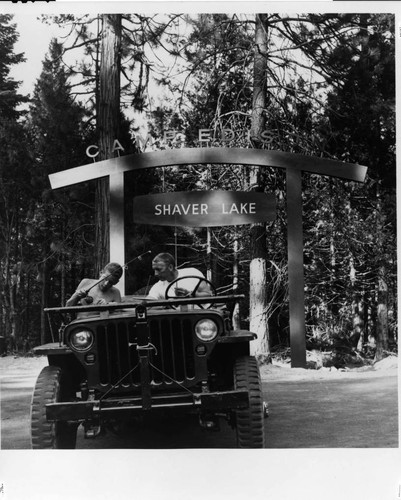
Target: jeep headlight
column 206, row 330
column 81, row 340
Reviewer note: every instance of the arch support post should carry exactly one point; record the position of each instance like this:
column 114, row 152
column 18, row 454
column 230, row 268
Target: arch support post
column 296, row 269
column 117, row 224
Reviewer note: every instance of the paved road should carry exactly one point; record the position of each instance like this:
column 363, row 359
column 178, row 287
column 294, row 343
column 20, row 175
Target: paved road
column 354, row 412
column 342, row 413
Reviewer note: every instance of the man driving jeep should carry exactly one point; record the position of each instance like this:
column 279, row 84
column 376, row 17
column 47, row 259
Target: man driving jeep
column 165, row 270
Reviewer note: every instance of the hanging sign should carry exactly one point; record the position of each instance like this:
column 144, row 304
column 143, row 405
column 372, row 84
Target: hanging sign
column 204, row 208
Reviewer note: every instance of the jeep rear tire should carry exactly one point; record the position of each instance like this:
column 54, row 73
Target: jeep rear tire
column 249, row 421
column 51, row 387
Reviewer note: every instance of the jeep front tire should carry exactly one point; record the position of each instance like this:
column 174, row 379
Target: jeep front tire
column 51, row 387
column 249, row 421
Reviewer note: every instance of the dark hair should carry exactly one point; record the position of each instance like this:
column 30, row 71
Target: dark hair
column 114, row 269
column 165, row 257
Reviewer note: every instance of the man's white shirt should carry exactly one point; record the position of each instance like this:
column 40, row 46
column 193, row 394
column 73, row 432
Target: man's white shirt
column 158, row 290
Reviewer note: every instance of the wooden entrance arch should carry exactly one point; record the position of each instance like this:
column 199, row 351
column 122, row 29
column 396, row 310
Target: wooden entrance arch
column 294, row 164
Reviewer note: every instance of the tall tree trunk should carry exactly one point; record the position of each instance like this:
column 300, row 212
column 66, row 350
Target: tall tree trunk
column 382, row 287
column 357, row 336
column 6, row 296
column 13, row 311
column 358, row 333
column 236, row 312
column 382, row 317
column 45, row 283
column 44, row 280
column 108, row 125
column 258, row 289
column 209, row 254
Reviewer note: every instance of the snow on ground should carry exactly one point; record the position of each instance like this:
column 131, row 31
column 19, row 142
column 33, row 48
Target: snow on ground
column 277, row 371
column 22, row 364
column 283, row 371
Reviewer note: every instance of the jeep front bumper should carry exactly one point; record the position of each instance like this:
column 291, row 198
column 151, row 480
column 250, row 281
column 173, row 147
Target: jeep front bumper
column 124, row 407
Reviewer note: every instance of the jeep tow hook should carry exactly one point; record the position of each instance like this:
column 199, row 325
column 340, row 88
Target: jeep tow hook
column 92, row 430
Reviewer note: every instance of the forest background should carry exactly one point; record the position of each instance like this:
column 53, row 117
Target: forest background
column 317, row 84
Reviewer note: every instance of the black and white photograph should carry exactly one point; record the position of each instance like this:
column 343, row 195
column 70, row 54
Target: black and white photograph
column 198, row 250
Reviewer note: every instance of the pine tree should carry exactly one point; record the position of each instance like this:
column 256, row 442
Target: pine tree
column 14, row 187
column 361, row 128
column 329, row 92
column 55, row 124
column 9, row 97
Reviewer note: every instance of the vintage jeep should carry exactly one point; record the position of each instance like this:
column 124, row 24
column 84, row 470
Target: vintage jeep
column 118, row 362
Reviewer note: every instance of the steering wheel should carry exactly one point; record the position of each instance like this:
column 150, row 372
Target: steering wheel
column 193, row 292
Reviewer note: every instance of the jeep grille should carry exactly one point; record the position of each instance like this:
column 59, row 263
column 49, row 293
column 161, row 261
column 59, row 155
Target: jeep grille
column 171, row 358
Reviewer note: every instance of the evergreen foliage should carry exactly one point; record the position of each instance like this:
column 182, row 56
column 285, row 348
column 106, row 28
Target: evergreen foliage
column 330, row 92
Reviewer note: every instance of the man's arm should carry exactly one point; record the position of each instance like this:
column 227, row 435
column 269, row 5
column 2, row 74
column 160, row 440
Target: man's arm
column 154, row 292
column 79, row 294
column 203, row 290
